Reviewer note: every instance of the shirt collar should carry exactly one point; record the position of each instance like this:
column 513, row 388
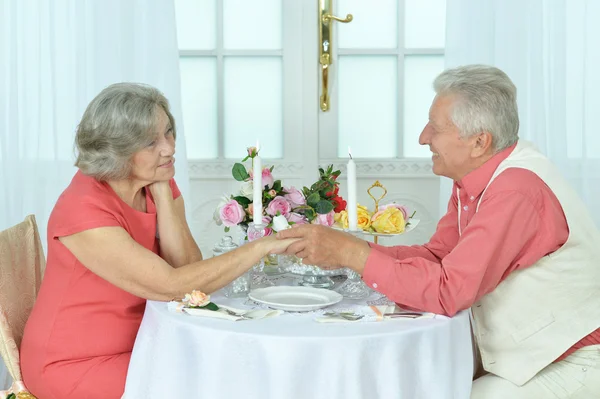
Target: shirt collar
column 476, row 181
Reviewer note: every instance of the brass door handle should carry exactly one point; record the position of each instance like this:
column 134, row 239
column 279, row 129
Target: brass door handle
column 325, row 41
column 328, row 17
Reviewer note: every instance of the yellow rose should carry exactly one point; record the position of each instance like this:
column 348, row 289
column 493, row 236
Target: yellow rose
column 364, row 217
column 341, row 219
column 388, row 221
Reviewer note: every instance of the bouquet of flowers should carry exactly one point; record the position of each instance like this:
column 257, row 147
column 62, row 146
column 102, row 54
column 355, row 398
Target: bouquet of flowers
column 316, row 204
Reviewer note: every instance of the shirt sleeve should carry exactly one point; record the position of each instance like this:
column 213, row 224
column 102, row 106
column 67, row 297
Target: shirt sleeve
column 480, row 259
column 71, row 217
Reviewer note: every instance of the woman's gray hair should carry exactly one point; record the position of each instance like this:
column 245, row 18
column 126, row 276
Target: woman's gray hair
column 486, row 102
column 119, row 122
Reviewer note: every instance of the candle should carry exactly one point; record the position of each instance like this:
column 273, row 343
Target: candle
column 257, row 187
column 352, row 205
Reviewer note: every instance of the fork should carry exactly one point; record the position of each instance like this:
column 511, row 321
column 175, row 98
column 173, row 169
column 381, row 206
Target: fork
column 232, row 313
column 346, row 316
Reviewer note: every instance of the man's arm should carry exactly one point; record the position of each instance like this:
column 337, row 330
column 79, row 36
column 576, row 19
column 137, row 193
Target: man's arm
column 441, row 243
column 484, row 254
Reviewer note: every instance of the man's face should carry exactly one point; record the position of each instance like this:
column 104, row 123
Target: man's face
column 452, row 155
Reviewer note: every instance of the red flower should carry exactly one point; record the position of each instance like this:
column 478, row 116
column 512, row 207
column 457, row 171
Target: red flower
column 333, row 193
column 339, row 204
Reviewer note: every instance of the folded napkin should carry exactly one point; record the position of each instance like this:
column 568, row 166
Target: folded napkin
column 369, row 313
column 224, row 312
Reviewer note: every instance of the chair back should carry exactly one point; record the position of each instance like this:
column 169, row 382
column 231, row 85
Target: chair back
column 22, row 266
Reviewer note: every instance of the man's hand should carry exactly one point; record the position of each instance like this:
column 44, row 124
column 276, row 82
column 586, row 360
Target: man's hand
column 327, row 248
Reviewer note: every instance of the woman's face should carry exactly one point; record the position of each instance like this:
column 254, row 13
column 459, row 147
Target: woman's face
column 156, row 162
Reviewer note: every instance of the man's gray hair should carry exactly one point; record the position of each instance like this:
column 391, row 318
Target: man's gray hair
column 486, row 102
column 119, row 122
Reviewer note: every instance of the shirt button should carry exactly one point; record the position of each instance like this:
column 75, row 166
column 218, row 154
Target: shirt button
column 466, row 207
column 472, row 198
column 374, row 285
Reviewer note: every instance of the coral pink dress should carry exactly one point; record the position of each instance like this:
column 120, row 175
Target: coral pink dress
column 78, row 339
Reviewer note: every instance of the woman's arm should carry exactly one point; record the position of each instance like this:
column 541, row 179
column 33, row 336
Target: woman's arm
column 112, row 254
column 177, row 246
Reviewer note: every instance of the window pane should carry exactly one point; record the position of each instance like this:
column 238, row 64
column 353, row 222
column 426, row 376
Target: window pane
column 199, row 106
column 196, row 24
column 425, row 22
column 372, row 26
column 252, row 24
column 419, row 73
column 367, row 106
column 253, row 107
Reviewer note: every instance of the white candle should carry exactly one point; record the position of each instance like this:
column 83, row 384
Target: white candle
column 257, row 187
column 352, row 205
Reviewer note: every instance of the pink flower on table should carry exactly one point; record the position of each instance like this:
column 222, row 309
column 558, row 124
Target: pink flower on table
column 267, row 178
column 272, row 193
column 197, row 299
column 232, row 213
column 252, row 151
column 294, row 196
column 255, row 234
column 297, row 218
column 402, row 209
column 279, row 204
column 326, row 219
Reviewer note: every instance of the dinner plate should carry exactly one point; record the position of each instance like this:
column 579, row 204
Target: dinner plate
column 295, row 299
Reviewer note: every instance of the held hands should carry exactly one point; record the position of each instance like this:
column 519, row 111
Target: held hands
column 325, row 247
column 275, row 246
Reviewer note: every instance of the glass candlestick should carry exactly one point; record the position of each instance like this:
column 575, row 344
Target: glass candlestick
column 259, row 278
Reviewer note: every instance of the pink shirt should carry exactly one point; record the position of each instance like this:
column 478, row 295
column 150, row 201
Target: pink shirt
column 518, row 222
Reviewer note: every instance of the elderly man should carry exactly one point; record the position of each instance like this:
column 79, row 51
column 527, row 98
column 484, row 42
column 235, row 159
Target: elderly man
column 517, row 246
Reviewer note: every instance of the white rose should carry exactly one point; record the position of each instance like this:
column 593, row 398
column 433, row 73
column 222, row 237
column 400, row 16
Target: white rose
column 247, row 190
column 280, row 223
column 217, row 212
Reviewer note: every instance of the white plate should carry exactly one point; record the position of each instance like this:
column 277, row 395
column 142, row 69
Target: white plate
column 410, row 227
column 295, row 299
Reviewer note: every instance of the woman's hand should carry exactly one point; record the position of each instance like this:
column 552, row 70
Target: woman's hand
column 161, row 191
column 272, row 245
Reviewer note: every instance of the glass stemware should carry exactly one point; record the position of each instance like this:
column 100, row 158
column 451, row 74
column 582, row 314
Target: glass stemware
column 259, row 277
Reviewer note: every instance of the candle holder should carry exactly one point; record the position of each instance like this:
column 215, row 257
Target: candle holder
column 259, row 278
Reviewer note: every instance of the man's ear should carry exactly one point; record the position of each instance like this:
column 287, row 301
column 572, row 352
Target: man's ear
column 483, row 144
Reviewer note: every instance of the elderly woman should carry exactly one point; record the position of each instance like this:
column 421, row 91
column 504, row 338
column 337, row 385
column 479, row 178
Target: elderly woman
column 116, row 237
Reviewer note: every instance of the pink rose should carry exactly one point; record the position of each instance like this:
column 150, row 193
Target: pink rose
column 197, row 299
column 279, row 204
column 272, row 193
column 255, row 234
column 402, row 209
column 325, row 220
column 297, row 218
column 294, row 196
column 267, row 177
column 232, row 213
column 252, row 151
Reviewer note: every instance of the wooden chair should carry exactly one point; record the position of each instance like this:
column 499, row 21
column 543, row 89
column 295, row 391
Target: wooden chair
column 22, row 266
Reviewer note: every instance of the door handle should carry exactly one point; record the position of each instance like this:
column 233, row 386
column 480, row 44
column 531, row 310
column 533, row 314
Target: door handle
column 326, row 19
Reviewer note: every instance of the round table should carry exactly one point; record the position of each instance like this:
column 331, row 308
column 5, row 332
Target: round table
column 292, row 356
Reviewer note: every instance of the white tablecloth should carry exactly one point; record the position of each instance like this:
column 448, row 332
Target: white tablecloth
column 292, row 356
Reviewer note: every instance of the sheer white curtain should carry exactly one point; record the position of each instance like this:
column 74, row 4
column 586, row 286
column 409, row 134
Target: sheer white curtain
column 55, row 57
column 549, row 48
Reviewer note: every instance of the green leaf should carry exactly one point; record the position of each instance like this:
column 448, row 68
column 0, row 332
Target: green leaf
column 245, row 159
column 239, row 172
column 11, row 396
column 211, row 306
column 271, row 168
column 242, row 200
column 226, row 229
column 277, row 185
column 324, row 207
column 309, row 213
column 313, row 199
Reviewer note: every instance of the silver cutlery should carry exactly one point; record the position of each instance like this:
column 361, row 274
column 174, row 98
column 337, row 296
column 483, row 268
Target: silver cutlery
column 345, row 315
